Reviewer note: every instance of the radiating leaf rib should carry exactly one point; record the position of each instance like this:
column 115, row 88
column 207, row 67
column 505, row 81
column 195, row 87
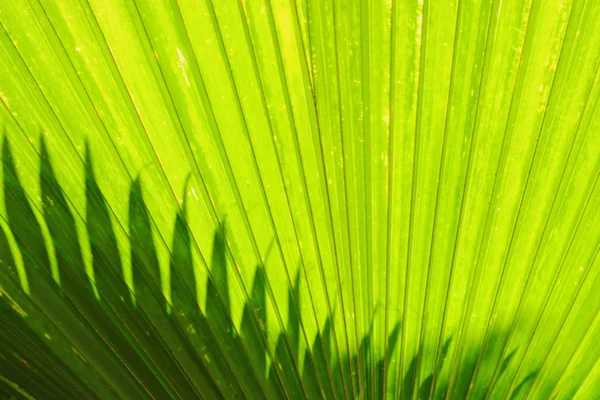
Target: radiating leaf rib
column 407, row 386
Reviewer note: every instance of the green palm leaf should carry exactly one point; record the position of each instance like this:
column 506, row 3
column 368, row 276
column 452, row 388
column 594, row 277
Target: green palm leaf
column 299, row 199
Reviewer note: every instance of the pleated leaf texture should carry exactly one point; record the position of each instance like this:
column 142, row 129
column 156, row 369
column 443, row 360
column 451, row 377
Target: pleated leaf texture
column 299, row 199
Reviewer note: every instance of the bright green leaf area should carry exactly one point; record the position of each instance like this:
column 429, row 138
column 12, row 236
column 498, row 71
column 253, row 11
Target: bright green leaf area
column 299, row 199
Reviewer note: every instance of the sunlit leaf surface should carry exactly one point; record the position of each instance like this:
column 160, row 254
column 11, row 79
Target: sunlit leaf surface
column 299, row 199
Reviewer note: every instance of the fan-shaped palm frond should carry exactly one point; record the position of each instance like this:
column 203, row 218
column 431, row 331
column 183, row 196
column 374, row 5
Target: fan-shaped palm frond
column 299, row 199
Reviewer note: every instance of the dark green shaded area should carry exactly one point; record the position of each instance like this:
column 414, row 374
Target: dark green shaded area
column 82, row 336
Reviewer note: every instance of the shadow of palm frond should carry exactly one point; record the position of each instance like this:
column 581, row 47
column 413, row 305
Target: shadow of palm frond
column 79, row 330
